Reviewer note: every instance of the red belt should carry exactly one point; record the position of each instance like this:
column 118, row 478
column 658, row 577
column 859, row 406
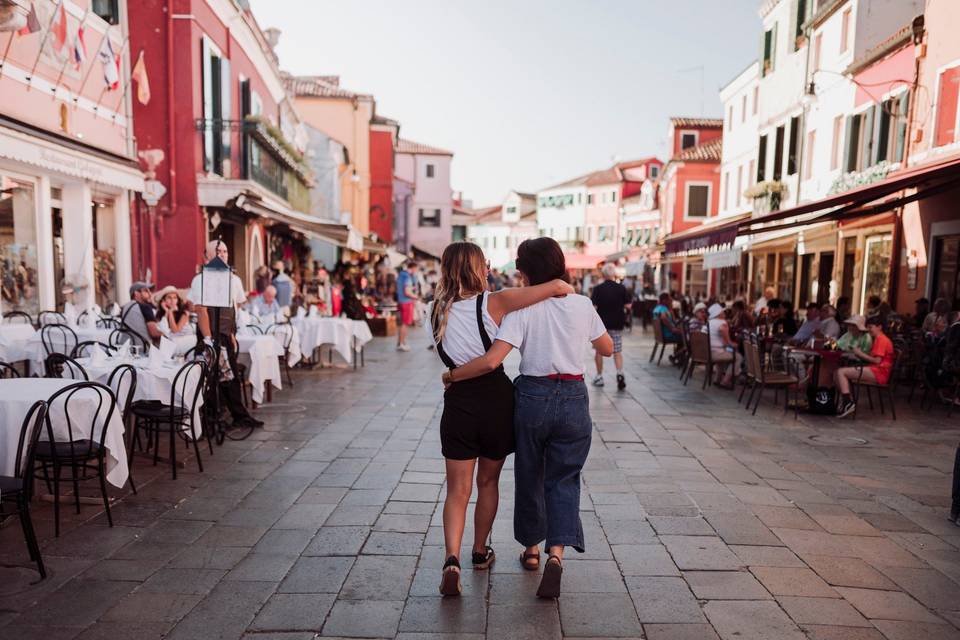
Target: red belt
column 565, row 376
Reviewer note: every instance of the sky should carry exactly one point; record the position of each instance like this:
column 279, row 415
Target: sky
column 526, row 93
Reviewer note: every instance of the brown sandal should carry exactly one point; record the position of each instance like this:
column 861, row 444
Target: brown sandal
column 550, row 582
column 530, row 561
column 450, row 582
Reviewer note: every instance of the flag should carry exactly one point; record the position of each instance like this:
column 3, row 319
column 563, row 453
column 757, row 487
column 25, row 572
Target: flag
column 139, row 74
column 79, row 49
column 59, row 30
column 111, row 64
column 33, row 22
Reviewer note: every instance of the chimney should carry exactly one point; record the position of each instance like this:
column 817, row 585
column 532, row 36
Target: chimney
column 273, row 36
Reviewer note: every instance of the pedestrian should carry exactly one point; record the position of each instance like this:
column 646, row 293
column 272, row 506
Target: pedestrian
column 879, row 364
column 552, row 424
column 283, row 284
column 406, row 302
column 476, row 429
column 612, row 302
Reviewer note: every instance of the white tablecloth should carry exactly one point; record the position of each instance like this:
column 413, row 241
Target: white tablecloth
column 13, row 342
column 19, row 394
column 152, row 384
column 37, row 355
column 342, row 333
column 263, row 353
column 294, row 351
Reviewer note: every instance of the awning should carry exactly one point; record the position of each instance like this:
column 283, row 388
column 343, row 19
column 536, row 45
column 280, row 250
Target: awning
column 420, row 254
column 723, row 258
column 620, row 255
column 930, row 179
column 581, row 261
column 717, row 232
column 341, row 235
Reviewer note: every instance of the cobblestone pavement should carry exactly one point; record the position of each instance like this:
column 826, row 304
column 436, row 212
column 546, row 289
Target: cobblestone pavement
column 701, row 522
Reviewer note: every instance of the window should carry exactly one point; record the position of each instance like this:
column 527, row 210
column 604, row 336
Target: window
column 579, row 198
column 743, row 108
column 589, row 198
column 948, row 96
column 654, row 171
column 601, row 234
column 778, row 153
column 726, row 190
column 458, row 233
column 688, row 139
column 697, row 203
column 845, row 31
column 808, row 155
column 769, row 51
column 629, row 239
column 836, row 144
column 730, row 118
column 494, row 242
column 511, row 209
column 861, row 145
column 756, row 99
column 604, row 197
column 216, row 108
column 430, row 218
column 588, row 234
column 18, row 246
column 431, row 171
column 793, row 150
column 109, row 10
column 750, row 173
column 799, row 19
column 876, row 269
column 762, row 159
column 739, row 197
column 613, row 196
column 892, row 128
column 817, row 48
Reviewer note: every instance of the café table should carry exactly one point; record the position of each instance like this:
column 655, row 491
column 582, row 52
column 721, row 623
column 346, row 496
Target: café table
column 261, row 355
column 294, row 351
column 153, row 382
column 824, row 364
column 17, row 395
column 13, row 342
column 345, row 335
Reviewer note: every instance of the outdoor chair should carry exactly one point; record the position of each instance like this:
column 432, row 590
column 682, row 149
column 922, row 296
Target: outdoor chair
column 81, row 449
column 17, row 490
column 50, row 317
column 17, row 317
column 254, row 329
column 284, row 336
column 82, row 350
column 58, row 365
column 175, row 417
column 699, row 355
column 124, row 336
column 882, row 389
column 123, row 383
column 769, row 378
column 58, row 338
column 107, row 322
column 8, row 371
column 659, row 340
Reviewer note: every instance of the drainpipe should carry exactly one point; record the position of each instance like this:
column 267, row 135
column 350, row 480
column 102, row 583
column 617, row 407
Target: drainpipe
column 171, row 139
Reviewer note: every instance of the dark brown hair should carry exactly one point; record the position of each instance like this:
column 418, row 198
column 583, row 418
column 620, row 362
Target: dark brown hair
column 541, row 260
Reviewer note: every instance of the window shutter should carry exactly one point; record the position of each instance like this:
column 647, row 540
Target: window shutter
column 901, row 134
column 773, row 48
column 226, row 112
column 946, row 131
column 850, row 155
column 866, row 143
column 883, row 129
column 794, row 26
column 763, row 51
column 208, row 130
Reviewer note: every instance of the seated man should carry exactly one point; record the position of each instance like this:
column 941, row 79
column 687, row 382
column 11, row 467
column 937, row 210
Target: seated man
column 139, row 315
column 809, row 327
column 829, row 327
column 266, row 304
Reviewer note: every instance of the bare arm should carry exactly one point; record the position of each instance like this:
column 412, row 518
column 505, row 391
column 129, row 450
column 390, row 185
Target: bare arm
column 486, row 363
column 203, row 320
column 509, row 300
column 603, row 345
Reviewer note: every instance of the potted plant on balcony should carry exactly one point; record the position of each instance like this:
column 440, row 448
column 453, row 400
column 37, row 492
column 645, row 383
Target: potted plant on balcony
column 767, row 195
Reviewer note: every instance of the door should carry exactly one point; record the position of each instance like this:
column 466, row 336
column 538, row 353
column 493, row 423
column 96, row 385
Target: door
column 946, row 272
column 59, row 275
column 849, row 268
column 824, row 276
column 876, row 269
column 806, row 267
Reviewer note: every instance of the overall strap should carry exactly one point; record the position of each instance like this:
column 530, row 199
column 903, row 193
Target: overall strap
column 440, row 352
column 484, row 336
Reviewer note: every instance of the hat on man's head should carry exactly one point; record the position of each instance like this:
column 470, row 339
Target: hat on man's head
column 698, row 306
column 715, row 310
column 857, row 320
column 139, row 286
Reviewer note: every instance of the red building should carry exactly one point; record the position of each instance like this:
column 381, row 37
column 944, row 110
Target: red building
column 689, row 197
column 219, row 112
column 384, row 133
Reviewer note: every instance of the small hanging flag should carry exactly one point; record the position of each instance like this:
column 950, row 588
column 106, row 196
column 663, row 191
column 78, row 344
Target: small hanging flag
column 33, row 22
column 139, row 74
column 79, row 49
column 111, row 64
column 59, row 30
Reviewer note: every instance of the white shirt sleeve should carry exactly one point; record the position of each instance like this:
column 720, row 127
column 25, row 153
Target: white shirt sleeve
column 512, row 328
column 236, row 289
column 596, row 325
column 194, row 294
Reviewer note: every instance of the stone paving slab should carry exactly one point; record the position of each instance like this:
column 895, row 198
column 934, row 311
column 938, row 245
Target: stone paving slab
column 701, row 522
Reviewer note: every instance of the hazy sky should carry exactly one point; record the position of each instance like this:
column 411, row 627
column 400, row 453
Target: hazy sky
column 527, row 93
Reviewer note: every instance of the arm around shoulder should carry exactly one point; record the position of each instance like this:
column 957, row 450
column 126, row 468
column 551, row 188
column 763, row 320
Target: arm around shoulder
column 509, row 300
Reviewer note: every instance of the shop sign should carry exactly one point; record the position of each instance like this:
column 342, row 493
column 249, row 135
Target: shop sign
column 722, row 259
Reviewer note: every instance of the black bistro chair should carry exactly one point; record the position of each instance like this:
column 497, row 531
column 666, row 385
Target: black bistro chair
column 17, row 490
column 124, row 336
column 17, row 317
column 108, row 322
column 8, row 371
column 175, row 417
column 84, row 349
column 58, row 338
column 58, row 365
column 78, row 446
column 50, row 317
column 284, row 336
column 123, row 383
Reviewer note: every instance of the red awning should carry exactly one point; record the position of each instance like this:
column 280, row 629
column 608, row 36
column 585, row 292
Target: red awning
column 581, row 261
column 716, row 232
column 851, row 203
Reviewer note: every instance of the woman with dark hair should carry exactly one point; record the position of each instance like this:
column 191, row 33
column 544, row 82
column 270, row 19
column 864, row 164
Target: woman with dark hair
column 552, row 424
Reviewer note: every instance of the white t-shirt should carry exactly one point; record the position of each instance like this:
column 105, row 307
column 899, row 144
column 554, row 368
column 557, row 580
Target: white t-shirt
column 760, row 305
column 236, row 290
column 716, row 340
column 552, row 334
column 461, row 338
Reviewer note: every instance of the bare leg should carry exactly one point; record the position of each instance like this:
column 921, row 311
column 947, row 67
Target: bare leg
column 402, row 334
column 488, row 499
column 459, row 486
column 599, row 360
column 618, row 361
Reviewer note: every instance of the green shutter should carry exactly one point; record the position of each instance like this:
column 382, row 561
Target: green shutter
column 866, row 145
column 902, row 126
column 794, row 26
column 850, row 153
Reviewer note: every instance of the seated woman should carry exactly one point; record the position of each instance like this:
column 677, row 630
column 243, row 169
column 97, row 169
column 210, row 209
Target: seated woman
column 173, row 318
column 723, row 348
column 880, row 366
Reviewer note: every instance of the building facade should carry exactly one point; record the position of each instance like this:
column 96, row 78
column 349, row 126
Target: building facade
column 384, row 134
column 68, row 171
column 500, row 229
column 427, row 223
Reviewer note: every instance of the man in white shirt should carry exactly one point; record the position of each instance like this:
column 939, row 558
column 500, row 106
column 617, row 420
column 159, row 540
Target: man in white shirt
column 768, row 294
column 231, row 391
column 265, row 304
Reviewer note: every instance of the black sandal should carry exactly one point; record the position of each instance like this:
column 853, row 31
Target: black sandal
column 526, row 558
column 450, row 582
column 550, row 582
column 485, row 559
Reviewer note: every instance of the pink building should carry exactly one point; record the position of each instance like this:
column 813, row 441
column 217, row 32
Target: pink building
column 606, row 191
column 426, row 223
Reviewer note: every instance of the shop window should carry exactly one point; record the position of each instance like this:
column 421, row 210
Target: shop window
column 947, row 113
column 697, row 202
column 18, row 247
column 876, row 269
column 946, row 272
column 104, row 255
column 429, row 217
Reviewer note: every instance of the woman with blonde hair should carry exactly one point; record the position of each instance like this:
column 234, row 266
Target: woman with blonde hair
column 476, row 430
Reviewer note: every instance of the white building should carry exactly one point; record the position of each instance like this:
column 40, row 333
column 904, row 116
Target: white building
column 500, row 229
column 738, row 166
column 561, row 212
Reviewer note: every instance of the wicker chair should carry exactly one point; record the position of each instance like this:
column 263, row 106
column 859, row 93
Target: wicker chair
column 699, row 355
